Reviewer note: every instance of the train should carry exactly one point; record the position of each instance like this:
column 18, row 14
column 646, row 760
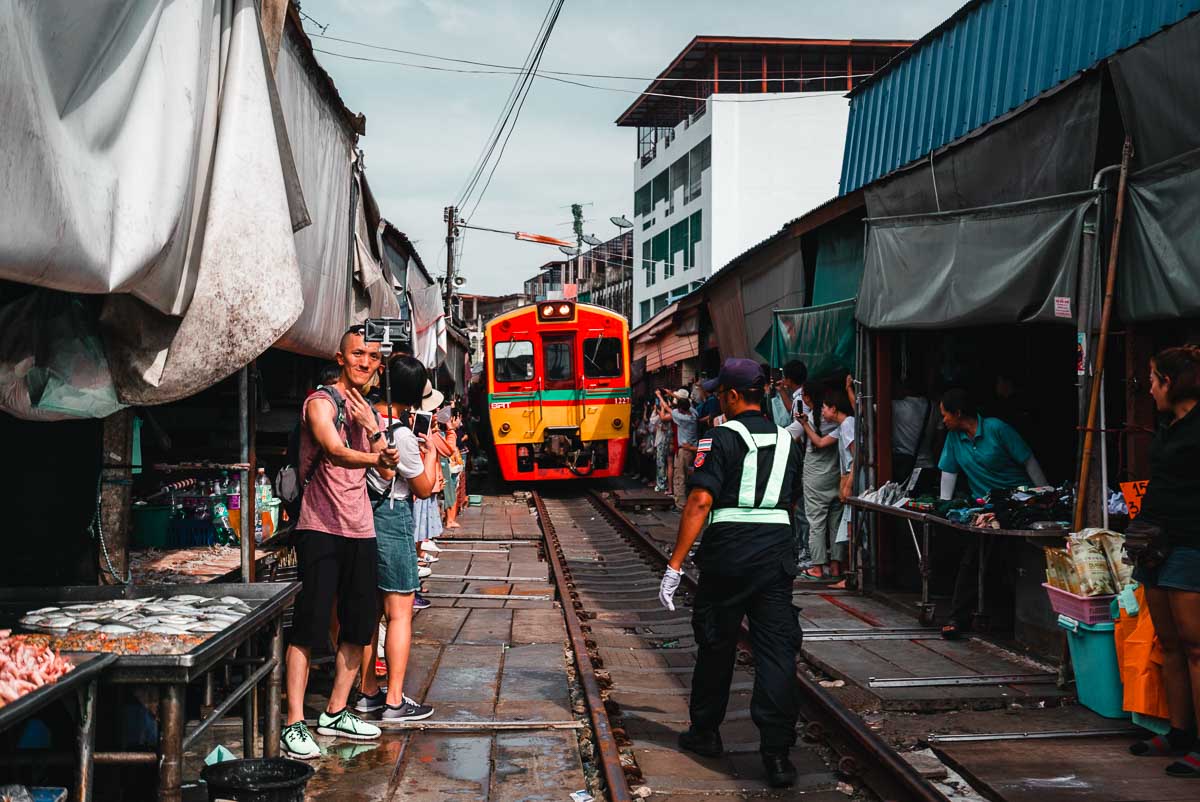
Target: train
column 558, row 393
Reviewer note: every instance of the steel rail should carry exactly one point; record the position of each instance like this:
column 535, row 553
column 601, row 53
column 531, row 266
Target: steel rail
column 861, row 751
column 606, row 742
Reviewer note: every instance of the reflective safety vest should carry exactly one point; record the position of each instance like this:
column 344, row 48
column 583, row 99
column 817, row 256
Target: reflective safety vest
column 747, row 512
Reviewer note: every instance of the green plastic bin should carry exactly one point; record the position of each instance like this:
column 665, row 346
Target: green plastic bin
column 1097, row 676
column 150, row 524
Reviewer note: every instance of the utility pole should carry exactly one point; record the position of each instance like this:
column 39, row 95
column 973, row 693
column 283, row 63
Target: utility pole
column 450, row 214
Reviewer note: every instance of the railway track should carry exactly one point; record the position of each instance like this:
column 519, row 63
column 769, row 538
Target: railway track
column 634, row 662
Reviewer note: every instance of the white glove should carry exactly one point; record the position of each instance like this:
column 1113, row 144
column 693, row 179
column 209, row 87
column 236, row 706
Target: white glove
column 670, row 584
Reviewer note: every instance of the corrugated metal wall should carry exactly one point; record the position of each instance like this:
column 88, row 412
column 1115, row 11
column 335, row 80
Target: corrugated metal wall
column 996, row 55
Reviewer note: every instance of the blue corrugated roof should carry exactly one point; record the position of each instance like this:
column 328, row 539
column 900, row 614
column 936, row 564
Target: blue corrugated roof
column 990, row 57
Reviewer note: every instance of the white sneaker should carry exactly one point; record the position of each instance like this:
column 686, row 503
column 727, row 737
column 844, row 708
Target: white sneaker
column 297, row 742
column 346, row 725
column 424, row 571
column 431, row 558
column 430, row 545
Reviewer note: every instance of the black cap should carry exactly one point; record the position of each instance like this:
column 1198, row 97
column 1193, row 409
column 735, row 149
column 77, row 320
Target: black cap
column 737, row 374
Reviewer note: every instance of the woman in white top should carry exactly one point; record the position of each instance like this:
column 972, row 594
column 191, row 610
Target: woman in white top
column 822, row 485
column 391, row 495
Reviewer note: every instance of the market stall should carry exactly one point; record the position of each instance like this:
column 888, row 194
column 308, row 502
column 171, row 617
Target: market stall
column 163, row 639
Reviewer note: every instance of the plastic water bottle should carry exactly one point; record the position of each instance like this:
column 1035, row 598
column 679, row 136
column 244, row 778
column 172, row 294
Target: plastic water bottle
column 220, row 517
column 262, row 489
column 233, row 491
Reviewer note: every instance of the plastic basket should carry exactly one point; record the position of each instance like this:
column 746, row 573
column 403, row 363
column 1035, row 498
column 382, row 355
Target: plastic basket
column 1084, row 609
column 1097, row 677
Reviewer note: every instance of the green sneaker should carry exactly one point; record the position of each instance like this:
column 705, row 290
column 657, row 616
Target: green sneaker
column 346, row 725
column 297, row 742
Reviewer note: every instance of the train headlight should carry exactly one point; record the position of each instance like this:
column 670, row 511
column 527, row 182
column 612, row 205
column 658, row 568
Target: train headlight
column 548, row 311
column 564, row 310
column 617, row 423
column 505, row 428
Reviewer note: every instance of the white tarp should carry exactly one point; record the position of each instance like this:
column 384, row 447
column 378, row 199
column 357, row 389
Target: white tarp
column 429, row 324
column 140, row 160
column 324, row 152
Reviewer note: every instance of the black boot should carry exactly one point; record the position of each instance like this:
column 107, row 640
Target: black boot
column 707, row 744
column 780, row 771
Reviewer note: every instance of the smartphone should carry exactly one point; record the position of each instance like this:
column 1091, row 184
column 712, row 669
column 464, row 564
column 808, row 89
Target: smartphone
column 421, row 421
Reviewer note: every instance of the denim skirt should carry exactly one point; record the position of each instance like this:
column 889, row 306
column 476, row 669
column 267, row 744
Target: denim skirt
column 397, row 551
column 1180, row 571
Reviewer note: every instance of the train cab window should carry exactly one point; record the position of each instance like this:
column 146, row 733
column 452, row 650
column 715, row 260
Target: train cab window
column 602, row 357
column 556, row 356
column 513, row 360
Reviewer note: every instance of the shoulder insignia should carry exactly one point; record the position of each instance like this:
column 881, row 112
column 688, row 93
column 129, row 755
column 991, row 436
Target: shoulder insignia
column 705, row 444
column 699, row 461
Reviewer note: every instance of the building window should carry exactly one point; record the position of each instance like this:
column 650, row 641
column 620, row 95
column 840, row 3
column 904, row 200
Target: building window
column 641, row 202
column 679, row 243
column 696, row 234
column 660, row 189
column 645, row 308
column 661, row 252
column 647, row 264
column 660, row 303
column 679, row 181
column 699, row 160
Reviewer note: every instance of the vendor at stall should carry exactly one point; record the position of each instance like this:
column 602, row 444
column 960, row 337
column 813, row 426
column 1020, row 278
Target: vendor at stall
column 992, row 456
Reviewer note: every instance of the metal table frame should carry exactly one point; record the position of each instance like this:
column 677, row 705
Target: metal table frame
column 985, row 539
column 171, row 674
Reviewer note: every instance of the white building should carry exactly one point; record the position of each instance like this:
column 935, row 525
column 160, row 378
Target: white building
column 713, row 176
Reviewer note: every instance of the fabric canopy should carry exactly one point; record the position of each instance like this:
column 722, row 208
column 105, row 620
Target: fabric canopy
column 839, row 267
column 1047, row 149
column 131, row 131
column 1010, row 264
column 1158, row 89
column 822, row 337
column 778, row 285
column 728, row 320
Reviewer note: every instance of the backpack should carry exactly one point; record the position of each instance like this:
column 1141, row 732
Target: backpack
column 288, row 485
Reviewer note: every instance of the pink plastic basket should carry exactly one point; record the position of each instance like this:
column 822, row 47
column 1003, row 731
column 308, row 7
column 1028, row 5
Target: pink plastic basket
column 1084, row 609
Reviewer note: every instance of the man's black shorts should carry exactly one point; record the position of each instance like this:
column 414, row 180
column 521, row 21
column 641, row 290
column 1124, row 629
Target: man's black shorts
column 335, row 569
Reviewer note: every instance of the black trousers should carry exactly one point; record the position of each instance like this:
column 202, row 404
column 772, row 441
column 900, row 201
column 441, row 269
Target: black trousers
column 765, row 599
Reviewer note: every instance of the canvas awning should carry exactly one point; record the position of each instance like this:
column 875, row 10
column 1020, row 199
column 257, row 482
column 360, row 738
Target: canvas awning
column 822, row 337
column 1158, row 90
column 132, row 135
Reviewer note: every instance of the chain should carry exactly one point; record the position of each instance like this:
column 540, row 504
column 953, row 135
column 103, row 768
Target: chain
column 97, row 530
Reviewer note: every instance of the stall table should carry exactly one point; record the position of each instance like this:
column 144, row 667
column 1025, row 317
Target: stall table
column 984, row 539
column 82, row 680
column 170, row 674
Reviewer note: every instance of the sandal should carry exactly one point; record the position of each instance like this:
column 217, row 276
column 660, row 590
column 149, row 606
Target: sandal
column 1189, row 766
column 1158, row 746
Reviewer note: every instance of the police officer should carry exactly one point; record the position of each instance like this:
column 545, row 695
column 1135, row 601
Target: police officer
column 746, row 473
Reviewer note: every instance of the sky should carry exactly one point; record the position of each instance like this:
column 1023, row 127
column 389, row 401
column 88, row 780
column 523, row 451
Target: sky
column 426, row 129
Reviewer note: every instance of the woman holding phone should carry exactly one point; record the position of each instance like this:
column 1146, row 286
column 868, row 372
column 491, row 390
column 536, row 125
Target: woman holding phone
column 392, row 493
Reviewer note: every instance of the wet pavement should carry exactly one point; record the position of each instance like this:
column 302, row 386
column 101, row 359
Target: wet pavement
column 485, row 661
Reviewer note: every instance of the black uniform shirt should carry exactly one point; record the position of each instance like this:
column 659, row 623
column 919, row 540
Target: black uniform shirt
column 742, row 548
column 1172, row 497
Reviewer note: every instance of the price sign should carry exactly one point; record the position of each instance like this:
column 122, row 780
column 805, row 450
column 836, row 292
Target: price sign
column 1133, row 492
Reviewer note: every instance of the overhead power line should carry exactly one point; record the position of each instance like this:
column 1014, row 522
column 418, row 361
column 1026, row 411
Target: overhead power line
column 501, row 68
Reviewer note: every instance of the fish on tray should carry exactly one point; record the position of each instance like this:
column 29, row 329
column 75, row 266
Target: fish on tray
column 158, row 616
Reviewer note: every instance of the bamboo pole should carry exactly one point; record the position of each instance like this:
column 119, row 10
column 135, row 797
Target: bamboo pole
column 1089, row 433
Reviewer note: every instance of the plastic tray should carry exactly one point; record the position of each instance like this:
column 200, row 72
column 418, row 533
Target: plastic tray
column 1084, row 609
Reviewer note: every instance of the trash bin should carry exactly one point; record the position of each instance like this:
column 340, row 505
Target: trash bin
column 1097, row 677
column 273, row 779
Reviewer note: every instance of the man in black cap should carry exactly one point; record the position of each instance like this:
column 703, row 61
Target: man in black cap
column 746, row 474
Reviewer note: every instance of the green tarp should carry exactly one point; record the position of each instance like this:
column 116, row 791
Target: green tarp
column 839, row 267
column 820, row 336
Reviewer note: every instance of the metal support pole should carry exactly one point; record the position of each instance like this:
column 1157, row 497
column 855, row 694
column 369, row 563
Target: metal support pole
column 87, row 742
column 249, row 706
column 170, row 743
column 246, row 455
column 274, row 711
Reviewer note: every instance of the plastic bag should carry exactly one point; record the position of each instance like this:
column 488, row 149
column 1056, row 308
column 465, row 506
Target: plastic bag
column 1091, row 566
column 1113, row 545
column 1139, row 658
column 52, row 362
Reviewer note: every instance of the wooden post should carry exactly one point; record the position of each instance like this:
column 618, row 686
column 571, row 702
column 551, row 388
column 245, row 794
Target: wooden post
column 116, row 498
column 1089, row 435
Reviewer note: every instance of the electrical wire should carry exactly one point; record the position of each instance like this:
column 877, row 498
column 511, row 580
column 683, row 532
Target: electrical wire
column 716, row 98
column 500, row 68
column 521, row 105
column 505, row 113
